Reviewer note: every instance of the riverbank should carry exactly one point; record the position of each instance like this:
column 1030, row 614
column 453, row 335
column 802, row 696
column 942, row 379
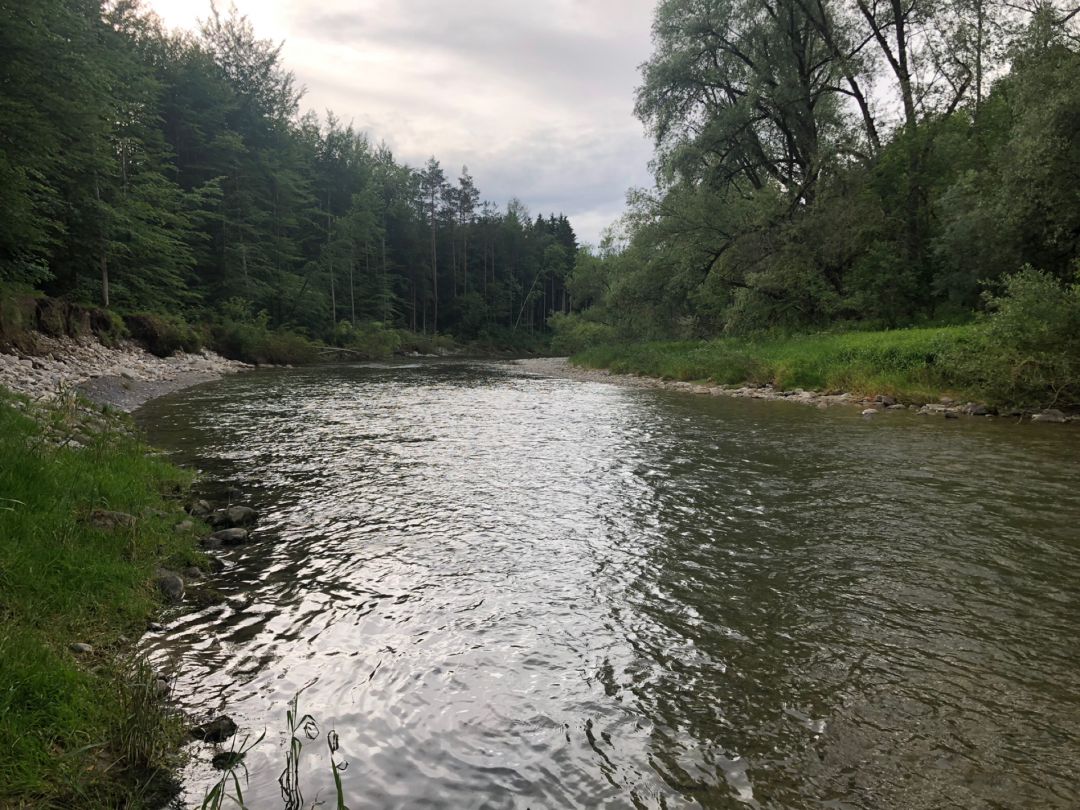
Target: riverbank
column 91, row 529
column 123, row 376
column 644, row 366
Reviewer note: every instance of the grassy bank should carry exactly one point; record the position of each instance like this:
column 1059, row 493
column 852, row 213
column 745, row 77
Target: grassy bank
column 913, row 364
column 80, row 730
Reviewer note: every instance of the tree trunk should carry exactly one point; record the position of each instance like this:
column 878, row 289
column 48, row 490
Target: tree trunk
column 104, row 278
column 352, row 295
column 333, row 298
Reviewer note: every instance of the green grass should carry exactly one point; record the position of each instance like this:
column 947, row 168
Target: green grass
column 78, row 731
column 910, row 363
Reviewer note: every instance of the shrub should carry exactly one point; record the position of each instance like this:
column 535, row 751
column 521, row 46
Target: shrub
column 163, row 335
column 1026, row 351
column 372, row 340
column 256, row 343
column 17, row 313
column 574, row 334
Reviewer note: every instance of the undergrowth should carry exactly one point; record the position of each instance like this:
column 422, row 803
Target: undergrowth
column 910, row 362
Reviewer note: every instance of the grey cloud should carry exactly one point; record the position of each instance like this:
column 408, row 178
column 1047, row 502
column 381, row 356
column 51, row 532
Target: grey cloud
column 500, row 42
column 535, row 97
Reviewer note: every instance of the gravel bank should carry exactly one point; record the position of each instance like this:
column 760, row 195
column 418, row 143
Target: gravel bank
column 123, row 377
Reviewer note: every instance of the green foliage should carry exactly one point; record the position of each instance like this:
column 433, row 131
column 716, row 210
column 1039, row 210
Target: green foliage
column 1027, row 350
column 79, row 732
column 164, row 172
column 163, row 335
column 255, row 343
column 372, row 340
column 910, row 362
column 575, row 333
column 784, row 202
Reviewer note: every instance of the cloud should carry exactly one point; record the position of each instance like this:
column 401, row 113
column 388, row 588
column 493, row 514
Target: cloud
column 536, row 98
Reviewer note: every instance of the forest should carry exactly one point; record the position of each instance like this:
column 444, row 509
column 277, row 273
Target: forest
column 172, row 175
column 851, row 165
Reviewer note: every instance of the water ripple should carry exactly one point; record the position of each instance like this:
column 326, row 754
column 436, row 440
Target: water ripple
column 507, row 591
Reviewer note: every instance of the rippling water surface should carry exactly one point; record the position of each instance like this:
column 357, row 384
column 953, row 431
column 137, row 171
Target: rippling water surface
column 507, row 591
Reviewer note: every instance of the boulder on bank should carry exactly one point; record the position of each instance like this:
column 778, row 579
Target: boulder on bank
column 214, row 731
column 200, row 509
column 104, row 519
column 232, row 517
column 225, row 538
column 171, row 585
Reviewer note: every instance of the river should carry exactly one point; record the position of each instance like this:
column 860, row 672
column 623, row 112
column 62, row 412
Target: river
column 512, row 591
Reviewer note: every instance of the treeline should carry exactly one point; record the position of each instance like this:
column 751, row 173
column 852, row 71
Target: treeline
column 172, row 172
column 824, row 163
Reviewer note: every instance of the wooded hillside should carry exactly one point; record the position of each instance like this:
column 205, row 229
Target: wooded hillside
column 174, row 172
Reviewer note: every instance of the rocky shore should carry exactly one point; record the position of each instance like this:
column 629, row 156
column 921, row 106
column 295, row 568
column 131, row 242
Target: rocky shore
column 123, row 377
column 945, row 407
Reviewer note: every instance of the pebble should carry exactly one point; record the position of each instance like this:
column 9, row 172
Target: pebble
column 64, row 363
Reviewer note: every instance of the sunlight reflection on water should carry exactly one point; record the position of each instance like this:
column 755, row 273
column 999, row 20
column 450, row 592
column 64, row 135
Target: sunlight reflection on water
column 510, row 591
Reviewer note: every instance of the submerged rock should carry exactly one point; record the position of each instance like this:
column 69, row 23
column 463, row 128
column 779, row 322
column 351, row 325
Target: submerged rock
column 233, row 516
column 227, row 760
column 870, row 412
column 1049, row 415
column 206, row 597
column 214, row 731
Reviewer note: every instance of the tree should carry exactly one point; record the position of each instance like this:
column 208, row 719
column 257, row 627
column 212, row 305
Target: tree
column 433, row 186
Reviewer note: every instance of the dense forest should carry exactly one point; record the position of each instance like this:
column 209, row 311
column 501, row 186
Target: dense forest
column 168, row 172
column 845, row 163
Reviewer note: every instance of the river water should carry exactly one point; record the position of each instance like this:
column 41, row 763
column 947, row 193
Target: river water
column 511, row 591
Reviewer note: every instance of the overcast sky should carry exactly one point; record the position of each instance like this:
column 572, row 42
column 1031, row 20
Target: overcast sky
column 536, row 98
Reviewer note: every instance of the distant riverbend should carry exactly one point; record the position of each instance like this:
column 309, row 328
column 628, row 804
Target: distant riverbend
column 508, row 589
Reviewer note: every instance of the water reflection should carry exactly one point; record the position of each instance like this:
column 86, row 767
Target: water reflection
column 507, row 591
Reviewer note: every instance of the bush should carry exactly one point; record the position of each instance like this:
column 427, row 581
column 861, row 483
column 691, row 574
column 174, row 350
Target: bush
column 372, row 340
column 163, row 335
column 574, row 333
column 18, row 310
column 1026, row 351
column 255, row 343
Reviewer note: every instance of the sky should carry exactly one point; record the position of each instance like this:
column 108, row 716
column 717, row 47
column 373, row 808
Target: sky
column 536, row 98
